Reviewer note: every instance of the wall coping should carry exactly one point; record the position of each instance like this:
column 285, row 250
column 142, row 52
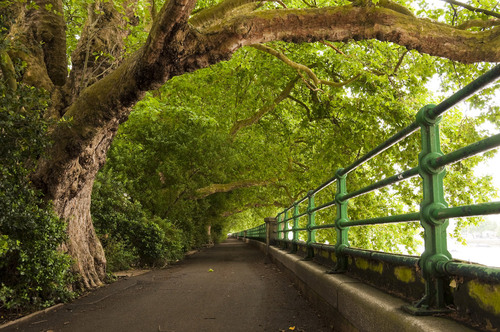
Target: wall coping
column 363, row 306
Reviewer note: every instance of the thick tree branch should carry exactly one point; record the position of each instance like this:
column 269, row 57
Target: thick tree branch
column 240, row 124
column 358, row 23
column 50, row 32
column 170, row 47
column 474, row 9
column 479, row 24
column 100, row 46
column 34, row 33
column 216, row 14
column 227, row 187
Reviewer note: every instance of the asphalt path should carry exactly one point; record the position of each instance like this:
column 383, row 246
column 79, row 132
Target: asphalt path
column 229, row 287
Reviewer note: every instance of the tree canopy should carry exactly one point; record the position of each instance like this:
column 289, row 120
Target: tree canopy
column 235, row 108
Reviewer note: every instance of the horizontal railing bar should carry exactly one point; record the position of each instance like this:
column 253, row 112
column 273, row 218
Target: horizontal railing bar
column 300, row 201
column 383, row 183
column 258, row 227
column 323, row 226
column 374, row 255
column 396, row 138
column 481, row 82
column 467, row 151
column 415, row 216
column 467, row 210
column 323, row 206
column 409, row 261
column 324, row 185
column 322, row 246
column 301, row 215
column 300, row 229
column 471, row 271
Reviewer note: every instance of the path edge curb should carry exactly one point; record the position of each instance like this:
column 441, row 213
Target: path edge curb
column 33, row 314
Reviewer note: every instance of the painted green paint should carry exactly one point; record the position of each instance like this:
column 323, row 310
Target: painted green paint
column 487, row 296
column 404, row 274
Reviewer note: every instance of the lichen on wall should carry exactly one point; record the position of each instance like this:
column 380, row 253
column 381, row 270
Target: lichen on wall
column 367, row 265
column 404, row 274
column 487, row 296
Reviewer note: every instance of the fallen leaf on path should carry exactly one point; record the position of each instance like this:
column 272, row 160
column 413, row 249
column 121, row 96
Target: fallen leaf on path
column 210, row 270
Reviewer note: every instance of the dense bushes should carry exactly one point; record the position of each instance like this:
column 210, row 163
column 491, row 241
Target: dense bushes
column 129, row 234
column 33, row 273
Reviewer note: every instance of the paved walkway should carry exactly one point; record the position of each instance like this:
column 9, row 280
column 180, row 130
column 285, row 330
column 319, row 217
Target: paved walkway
column 242, row 293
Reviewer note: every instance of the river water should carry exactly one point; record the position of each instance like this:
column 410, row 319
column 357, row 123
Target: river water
column 484, row 250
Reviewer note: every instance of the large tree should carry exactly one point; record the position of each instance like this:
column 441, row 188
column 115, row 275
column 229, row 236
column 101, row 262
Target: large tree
column 107, row 77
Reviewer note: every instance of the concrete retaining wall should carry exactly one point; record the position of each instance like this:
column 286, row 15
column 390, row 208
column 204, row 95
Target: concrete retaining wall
column 349, row 304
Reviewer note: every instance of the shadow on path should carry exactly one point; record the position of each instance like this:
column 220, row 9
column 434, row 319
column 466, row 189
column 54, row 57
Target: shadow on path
column 242, row 293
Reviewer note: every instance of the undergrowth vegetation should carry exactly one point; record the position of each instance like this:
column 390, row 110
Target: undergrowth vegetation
column 130, row 235
column 33, row 272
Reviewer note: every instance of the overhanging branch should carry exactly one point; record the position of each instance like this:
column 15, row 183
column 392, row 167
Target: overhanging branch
column 474, row 9
column 300, row 67
column 215, row 14
column 240, row 124
column 342, row 24
column 479, row 24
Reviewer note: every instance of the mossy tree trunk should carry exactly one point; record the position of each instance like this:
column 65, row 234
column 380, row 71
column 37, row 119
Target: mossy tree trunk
column 97, row 96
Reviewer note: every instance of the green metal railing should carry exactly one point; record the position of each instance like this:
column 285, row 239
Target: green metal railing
column 435, row 262
column 258, row 232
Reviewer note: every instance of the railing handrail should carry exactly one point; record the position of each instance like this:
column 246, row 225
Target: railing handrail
column 470, row 89
column 434, row 212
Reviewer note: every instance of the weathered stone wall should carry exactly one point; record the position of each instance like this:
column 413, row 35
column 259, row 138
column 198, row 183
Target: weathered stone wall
column 353, row 303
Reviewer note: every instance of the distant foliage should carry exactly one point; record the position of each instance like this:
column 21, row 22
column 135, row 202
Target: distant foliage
column 33, row 272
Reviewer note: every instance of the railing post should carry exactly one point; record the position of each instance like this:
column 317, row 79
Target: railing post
column 436, row 251
column 271, row 227
column 342, row 238
column 295, row 238
column 278, row 226
column 311, row 233
column 285, row 230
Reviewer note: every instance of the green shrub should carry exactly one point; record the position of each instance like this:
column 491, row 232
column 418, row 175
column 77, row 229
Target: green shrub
column 129, row 234
column 33, row 273
column 119, row 257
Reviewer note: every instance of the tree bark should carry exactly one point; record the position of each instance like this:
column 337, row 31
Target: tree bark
column 67, row 179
